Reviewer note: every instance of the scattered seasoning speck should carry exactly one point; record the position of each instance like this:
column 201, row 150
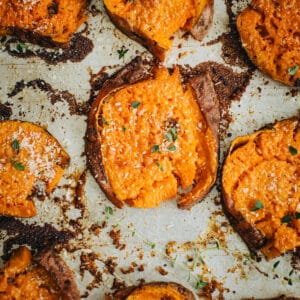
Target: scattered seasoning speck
column 109, row 210
column 200, row 284
column 290, row 282
column 276, row 264
column 16, row 145
column 293, row 70
column 168, row 137
column 17, row 165
column 104, row 121
column 174, row 134
column 172, row 148
column 293, row 150
column 159, row 165
column 286, row 219
column 135, row 104
column 124, row 128
column 258, row 205
column 155, row 148
column 297, row 215
column 122, row 52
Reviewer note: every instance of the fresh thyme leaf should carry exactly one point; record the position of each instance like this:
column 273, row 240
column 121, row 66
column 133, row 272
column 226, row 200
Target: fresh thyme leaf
column 159, row 165
column 200, row 284
column 104, row 121
column 15, row 144
column 297, row 215
column 152, row 245
column 155, row 148
column 124, row 128
column 173, row 132
column 286, row 219
column 172, row 148
column 17, row 165
column 258, row 205
column 276, row 264
column 135, row 104
column 290, row 281
column 217, row 245
column 21, row 47
column 293, row 150
column 293, row 70
column 109, row 210
column 168, row 137
column 291, row 272
column 122, row 52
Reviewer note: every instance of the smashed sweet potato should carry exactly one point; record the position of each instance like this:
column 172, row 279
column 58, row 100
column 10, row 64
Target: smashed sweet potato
column 37, row 20
column 261, row 188
column 30, row 158
column 22, row 278
column 270, row 33
column 155, row 291
column 150, row 137
column 153, row 23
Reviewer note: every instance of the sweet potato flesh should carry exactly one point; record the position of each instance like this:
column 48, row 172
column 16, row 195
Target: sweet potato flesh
column 270, row 32
column 29, row 157
column 261, row 177
column 56, row 19
column 157, row 20
column 20, row 280
column 156, row 292
column 154, row 138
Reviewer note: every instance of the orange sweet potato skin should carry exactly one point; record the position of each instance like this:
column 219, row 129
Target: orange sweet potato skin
column 124, row 293
column 204, row 93
column 269, row 32
column 197, row 26
column 270, row 144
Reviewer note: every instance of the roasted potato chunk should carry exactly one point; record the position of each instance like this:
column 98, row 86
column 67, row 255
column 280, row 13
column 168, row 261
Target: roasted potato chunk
column 261, row 188
column 30, row 158
column 270, row 33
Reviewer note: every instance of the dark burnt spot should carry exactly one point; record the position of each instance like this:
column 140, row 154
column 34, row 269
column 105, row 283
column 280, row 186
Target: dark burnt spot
column 53, row 8
column 75, row 51
column 5, row 112
column 54, row 95
column 37, row 237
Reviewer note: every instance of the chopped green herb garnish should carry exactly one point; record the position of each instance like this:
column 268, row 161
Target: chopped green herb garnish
column 159, row 165
column 21, row 47
column 133, row 233
column 168, row 137
column 131, row 1
column 124, row 128
column 258, row 205
column 290, row 281
column 172, row 148
column 276, row 264
column 286, row 219
column 153, row 245
column 15, row 144
column 293, row 150
column 291, row 272
column 297, row 215
column 135, row 104
column 217, row 245
column 17, row 165
column 104, row 121
column 122, row 52
column 109, row 210
column 155, row 148
column 3, row 39
column 200, row 284
column 293, row 70
column 174, row 134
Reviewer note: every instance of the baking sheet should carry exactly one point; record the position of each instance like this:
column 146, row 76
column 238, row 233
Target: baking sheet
column 200, row 243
